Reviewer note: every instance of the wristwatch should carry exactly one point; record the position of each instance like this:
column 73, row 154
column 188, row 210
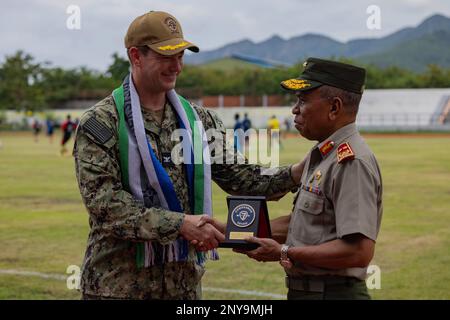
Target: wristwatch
column 284, row 259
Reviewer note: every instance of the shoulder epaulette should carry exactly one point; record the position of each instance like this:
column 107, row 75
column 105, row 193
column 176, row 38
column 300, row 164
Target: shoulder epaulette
column 345, row 152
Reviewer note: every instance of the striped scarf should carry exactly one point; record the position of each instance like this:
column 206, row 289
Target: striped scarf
column 145, row 178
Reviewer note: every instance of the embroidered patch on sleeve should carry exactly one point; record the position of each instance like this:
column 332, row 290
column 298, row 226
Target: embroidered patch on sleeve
column 98, row 130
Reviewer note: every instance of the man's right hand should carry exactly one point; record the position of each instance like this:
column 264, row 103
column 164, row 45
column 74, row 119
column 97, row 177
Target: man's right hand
column 216, row 223
column 204, row 235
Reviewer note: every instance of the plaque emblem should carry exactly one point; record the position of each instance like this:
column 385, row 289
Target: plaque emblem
column 243, row 215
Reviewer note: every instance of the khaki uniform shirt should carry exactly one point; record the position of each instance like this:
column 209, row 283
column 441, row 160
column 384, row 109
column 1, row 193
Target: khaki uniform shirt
column 336, row 199
column 117, row 221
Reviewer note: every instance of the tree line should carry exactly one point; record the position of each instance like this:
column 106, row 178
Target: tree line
column 29, row 85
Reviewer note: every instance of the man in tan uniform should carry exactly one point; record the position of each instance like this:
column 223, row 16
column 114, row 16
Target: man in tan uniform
column 327, row 242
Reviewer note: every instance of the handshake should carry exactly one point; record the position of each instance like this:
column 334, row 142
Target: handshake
column 202, row 231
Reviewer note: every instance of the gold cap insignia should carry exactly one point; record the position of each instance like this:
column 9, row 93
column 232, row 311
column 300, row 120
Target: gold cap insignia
column 174, row 47
column 295, row 84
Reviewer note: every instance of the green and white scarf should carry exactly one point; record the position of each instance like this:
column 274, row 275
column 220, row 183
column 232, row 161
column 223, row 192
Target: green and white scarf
column 144, row 176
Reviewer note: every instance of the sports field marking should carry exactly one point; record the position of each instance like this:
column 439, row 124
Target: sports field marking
column 61, row 277
column 33, row 274
column 246, row 292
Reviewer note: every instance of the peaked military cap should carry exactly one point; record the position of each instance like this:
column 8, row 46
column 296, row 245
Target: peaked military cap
column 160, row 31
column 319, row 72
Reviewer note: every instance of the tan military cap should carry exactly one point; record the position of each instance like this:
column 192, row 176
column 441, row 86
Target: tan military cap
column 160, row 31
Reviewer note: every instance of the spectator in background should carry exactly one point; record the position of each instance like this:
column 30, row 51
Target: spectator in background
column 67, row 128
column 36, row 125
column 238, row 130
column 50, row 128
column 247, row 124
column 274, row 128
column 287, row 126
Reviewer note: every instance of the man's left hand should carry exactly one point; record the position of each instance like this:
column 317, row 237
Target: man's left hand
column 268, row 250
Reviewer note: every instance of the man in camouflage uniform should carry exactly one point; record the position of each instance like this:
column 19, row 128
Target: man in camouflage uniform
column 117, row 220
column 327, row 242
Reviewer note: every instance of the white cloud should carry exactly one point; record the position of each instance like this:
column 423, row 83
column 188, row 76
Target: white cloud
column 39, row 27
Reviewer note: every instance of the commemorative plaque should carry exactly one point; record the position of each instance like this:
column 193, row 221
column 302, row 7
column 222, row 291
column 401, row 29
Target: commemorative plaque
column 247, row 216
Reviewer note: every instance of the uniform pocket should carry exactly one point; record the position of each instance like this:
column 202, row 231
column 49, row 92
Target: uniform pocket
column 310, row 202
column 309, row 217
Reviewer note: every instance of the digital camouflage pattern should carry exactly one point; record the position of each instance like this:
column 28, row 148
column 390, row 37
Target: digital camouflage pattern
column 118, row 221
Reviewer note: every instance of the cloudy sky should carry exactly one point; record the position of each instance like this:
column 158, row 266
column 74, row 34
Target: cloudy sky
column 40, row 27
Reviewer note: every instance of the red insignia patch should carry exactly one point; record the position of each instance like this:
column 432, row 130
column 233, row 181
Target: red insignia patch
column 345, row 152
column 327, row 147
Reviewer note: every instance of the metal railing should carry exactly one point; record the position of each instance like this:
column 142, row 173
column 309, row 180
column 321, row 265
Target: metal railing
column 395, row 119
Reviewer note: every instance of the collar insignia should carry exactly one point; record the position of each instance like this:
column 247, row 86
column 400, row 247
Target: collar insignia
column 326, row 148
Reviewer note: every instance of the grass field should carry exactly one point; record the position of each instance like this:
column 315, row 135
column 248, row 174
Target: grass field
column 44, row 226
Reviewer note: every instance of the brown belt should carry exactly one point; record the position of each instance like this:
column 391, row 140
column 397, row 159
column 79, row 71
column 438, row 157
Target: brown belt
column 317, row 283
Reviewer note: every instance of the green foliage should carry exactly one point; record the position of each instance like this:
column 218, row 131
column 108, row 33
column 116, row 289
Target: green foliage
column 436, row 77
column 260, row 81
column 26, row 85
column 29, row 85
column 248, row 81
column 20, row 83
column 119, row 68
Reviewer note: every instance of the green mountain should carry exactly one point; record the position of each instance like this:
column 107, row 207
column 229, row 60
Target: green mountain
column 229, row 63
column 415, row 54
column 412, row 48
